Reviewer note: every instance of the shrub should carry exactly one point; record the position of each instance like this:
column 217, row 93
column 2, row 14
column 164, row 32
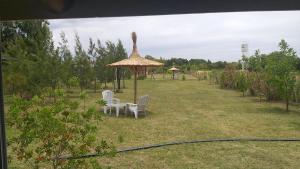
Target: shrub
column 183, row 77
column 46, row 132
column 297, row 90
column 141, row 77
column 73, row 82
column 242, row 82
column 228, row 78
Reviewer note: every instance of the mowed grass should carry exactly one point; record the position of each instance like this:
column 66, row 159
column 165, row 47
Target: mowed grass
column 188, row 110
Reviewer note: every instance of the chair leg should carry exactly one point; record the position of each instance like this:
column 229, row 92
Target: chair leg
column 117, row 111
column 136, row 114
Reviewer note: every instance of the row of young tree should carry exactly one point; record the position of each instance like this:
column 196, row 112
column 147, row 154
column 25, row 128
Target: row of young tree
column 33, row 63
column 272, row 76
column 189, row 65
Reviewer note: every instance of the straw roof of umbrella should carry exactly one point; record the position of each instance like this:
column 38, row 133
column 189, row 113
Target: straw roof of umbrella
column 174, row 69
column 135, row 59
column 136, row 62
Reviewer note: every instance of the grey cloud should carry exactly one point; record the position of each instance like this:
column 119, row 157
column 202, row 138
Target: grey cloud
column 214, row 36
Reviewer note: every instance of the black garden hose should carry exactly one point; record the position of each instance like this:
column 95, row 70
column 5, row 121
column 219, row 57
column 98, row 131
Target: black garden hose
column 124, row 150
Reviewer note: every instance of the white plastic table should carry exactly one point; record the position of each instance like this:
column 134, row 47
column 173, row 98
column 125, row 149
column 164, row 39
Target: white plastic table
column 118, row 106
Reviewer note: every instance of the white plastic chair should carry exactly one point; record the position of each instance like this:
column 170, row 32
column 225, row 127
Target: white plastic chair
column 139, row 107
column 108, row 97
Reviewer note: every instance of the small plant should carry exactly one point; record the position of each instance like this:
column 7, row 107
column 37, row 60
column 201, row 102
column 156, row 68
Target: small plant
column 121, row 139
column 83, row 96
column 242, row 83
column 183, row 77
column 101, row 102
column 73, row 82
column 141, row 77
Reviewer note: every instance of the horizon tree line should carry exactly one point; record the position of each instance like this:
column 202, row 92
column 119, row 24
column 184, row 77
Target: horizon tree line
column 33, row 63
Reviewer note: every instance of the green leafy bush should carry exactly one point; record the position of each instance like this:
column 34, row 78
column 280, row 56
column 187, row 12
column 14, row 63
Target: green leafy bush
column 48, row 131
column 228, row 78
column 242, row 82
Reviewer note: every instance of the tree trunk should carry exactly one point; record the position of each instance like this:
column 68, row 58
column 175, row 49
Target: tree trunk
column 123, row 79
column 173, row 75
column 118, row 79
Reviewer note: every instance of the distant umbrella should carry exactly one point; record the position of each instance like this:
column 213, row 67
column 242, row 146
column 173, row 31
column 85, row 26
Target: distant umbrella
column 174, row 69
column 136, row 63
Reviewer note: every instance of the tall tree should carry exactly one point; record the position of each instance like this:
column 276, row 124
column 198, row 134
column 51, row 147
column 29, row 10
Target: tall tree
column 30, row 50
column 67, row 59
column 93, row 57
column 280, row 65
column 120, row 55
column 100, row 68
column 82, row 66
column 110, row 57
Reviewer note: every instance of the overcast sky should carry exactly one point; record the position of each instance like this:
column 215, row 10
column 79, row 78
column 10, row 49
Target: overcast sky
column 214, row 36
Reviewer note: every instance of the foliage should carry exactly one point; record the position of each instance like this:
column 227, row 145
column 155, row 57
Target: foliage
column 73, row 82
column 82, row 96
column 101, row 102
column 35, row 63
column 228, row 77
column 242, row 82
column 67, row 66
column 280, row 66
column 82, row 68
column 47, row 132
column 270, row 75
column 33, row 57
column 214, row 77
column 141, row 77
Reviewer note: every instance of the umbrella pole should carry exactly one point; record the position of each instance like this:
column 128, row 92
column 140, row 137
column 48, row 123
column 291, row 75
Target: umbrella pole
column 173, row 74
column 135, row 84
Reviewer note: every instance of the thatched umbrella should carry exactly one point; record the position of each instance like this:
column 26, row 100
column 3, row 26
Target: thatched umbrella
column 136, row 63
column 174, row 69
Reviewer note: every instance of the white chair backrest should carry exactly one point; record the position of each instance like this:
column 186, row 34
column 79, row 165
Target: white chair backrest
column 108, row 96
column 142, row 102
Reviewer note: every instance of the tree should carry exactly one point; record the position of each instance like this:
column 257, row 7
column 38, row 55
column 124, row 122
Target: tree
column 93, row 57
column 280, row 65
column 242, row 83
column 120, row 55
column 82, row 68
column 46, row 132
column 228, row 77
column 31, row 50
column 110, row 57
column 67, row 59
column 100, row 65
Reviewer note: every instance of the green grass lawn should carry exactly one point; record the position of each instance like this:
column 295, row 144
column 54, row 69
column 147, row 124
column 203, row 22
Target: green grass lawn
column 191, row 109
column 188, row 110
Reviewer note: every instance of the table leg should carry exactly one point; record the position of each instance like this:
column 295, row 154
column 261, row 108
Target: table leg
column 117, row 110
